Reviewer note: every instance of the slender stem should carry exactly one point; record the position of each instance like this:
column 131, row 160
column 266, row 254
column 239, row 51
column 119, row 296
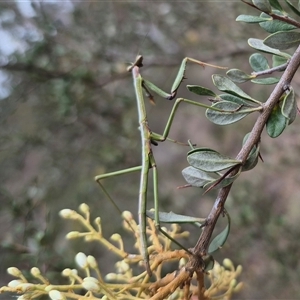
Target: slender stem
column 271, row 70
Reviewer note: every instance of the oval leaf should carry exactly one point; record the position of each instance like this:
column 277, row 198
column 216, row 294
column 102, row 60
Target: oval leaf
column 258, row 62
column 278, row 60
column 196, row 177
column 289, row 106
column 235, row 99
column 276, row 122
column 238, row 76
column 210, row 160
column 174, row 218
column 276, row 4
column 266, row 81
column 293, row 8
column 224, row 84
column 231, row 113
column 251, row 19
column 221, row 238
column 252, row 158
column 283, row 40
column 263, row 5
column 223, row 182
column 259, row 45
column 200, row 90
column 276, row 25
column 208, row 262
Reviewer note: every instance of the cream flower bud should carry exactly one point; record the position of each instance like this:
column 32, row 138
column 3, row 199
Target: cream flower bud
column 91, row 284
column 14, row 271
column 111, row 276
column 81, row 260
column 67, row 213
column 116, row 237
column 233, row 283
column 56, row 295
column 14, row 283
column 66, row 272
column 72, row 235
column 35, row 272
column 228, row 263
column 25, row 287
column 98, row 221
column 84, row 208
column 127, row 215
column 92, row 262
column 238, row 287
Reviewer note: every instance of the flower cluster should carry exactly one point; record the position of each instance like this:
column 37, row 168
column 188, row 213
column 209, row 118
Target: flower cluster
column 126, row 282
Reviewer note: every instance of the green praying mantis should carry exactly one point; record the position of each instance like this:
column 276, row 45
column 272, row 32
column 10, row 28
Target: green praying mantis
column 149, row 138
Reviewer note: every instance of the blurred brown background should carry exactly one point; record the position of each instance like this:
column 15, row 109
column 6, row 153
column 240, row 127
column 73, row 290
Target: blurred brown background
column 68, row 113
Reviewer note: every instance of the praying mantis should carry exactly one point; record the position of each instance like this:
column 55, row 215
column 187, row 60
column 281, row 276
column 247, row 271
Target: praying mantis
column 149, row 138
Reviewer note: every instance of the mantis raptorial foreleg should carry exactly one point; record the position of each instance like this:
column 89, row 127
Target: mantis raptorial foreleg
column 147, row 139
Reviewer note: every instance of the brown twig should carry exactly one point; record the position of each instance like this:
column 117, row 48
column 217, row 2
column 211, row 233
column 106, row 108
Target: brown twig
column 201, row 247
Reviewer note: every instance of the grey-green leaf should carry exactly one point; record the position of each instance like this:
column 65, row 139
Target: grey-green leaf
column 209, row 263
column 210, row 160
column 278, row 60
column 289, row 106
column 174, row 218
column 265, row 81
column 252, row 158
column 231, row 113
column 276, row 5
column 224, row 84
column 224, row 182
column 276, row 122
column 259, row 45
column 238, row 76
column 283, row 40
column 263, row 5
column 220, row 239
column 258, row 62
column 251, row 19
column 276, row 25
column 196, row 177
column 200, row 90
column 235, row 99
column 293, row 8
